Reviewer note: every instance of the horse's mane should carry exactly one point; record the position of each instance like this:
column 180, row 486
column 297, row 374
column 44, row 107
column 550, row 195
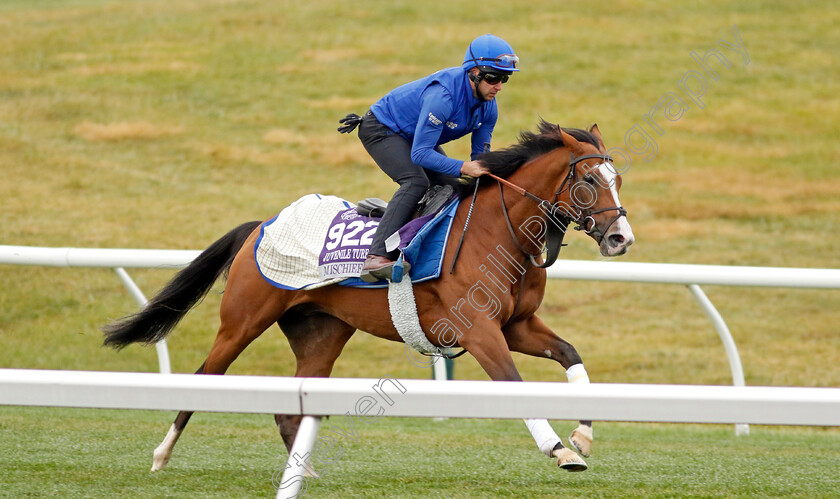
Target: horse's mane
column 506, row 161
column 531, row 145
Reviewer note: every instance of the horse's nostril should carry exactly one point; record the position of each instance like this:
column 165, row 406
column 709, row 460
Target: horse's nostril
column 616, row 240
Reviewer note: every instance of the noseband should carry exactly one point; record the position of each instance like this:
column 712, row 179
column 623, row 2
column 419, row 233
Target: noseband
column 585, row 214
column 558, row 216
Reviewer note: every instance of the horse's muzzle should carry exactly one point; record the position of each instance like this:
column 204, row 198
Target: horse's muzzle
column 618, row 238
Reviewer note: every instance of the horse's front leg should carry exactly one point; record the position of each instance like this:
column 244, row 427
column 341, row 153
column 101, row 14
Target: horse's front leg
column 532, row 337
column 491, row 351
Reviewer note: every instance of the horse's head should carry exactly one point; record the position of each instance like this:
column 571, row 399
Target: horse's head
column 589, row 195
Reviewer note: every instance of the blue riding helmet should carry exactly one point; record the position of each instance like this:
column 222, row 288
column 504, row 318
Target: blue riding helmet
column 491, row 54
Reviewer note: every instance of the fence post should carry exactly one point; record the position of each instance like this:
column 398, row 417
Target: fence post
column 728, row 345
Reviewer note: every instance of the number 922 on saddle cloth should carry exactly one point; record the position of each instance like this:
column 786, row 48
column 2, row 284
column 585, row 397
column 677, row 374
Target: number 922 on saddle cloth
column 321, row 240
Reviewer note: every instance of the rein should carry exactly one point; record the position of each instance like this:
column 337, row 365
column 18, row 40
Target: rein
column 555, row 230
column 558, row 219
column 466, row 224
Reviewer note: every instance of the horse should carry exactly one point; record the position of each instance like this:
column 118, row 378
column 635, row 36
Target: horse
column 558, row 176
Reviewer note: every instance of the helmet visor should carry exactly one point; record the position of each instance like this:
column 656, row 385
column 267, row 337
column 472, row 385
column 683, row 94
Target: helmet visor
column 504, row 61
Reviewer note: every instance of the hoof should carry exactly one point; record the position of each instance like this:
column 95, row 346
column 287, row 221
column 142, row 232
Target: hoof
column 581, row 440
column 310, row 473
column 568, row 460
column 161, row 459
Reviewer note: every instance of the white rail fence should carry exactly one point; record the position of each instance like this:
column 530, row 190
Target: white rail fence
column 116, row 259
column 389, row 396
column 691, row 276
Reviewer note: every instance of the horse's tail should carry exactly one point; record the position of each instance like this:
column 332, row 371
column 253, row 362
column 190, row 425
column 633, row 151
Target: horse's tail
column 163, row 312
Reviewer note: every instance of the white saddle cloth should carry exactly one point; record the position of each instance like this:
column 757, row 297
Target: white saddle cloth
column 289, row 245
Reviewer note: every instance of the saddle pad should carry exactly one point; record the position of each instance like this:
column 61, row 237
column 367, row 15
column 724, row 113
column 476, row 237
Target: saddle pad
column 321, row 240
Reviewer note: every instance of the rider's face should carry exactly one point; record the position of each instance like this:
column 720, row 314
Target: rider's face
column 484, row 90
column 488, row 91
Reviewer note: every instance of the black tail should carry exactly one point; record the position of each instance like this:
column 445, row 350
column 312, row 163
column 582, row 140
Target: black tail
column 163, row 312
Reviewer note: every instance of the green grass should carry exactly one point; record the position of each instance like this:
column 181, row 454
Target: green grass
column 85, row 453
column 163, row 124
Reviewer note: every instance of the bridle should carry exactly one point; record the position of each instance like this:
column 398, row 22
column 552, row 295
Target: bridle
column 557, row 216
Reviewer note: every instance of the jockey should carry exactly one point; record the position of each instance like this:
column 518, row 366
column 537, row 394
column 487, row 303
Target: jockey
column 404, row 130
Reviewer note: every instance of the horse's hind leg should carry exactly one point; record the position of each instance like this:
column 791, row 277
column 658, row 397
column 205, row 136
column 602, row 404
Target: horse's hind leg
column 317, row 340
column 163, row 452
column 225, row 350
column 249, row 307
column 220, row 358
column 533, row 337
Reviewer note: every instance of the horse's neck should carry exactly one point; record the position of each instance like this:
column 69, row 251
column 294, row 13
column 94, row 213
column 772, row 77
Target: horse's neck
column 538, row 177
column 542, row 176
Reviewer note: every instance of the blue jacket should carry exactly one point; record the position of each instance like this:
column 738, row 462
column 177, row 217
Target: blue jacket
column 435, row 110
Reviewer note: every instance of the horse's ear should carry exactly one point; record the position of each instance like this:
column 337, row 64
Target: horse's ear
column 597, row 133
column 570, row 142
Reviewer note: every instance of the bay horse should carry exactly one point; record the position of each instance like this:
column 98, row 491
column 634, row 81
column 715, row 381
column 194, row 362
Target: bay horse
column 552, row 178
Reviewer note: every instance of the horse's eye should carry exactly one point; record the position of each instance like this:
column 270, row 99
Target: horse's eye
column 589, row 180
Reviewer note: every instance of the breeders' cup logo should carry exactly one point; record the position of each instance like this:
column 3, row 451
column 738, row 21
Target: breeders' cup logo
column 452, row 126
column 434, row 120
column 350, row 214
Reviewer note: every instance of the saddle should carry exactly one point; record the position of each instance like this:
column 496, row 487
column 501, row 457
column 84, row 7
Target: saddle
column 436, row 196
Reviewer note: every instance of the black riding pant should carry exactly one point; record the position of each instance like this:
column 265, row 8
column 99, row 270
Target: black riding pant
column 392, row 153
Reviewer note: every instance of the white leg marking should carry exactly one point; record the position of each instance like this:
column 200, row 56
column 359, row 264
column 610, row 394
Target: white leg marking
column 164, row 450
column 577, row 374
column 581, row 437
column 543, row 435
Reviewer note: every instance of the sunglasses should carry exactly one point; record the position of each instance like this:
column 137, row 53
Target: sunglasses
column 494, row 78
